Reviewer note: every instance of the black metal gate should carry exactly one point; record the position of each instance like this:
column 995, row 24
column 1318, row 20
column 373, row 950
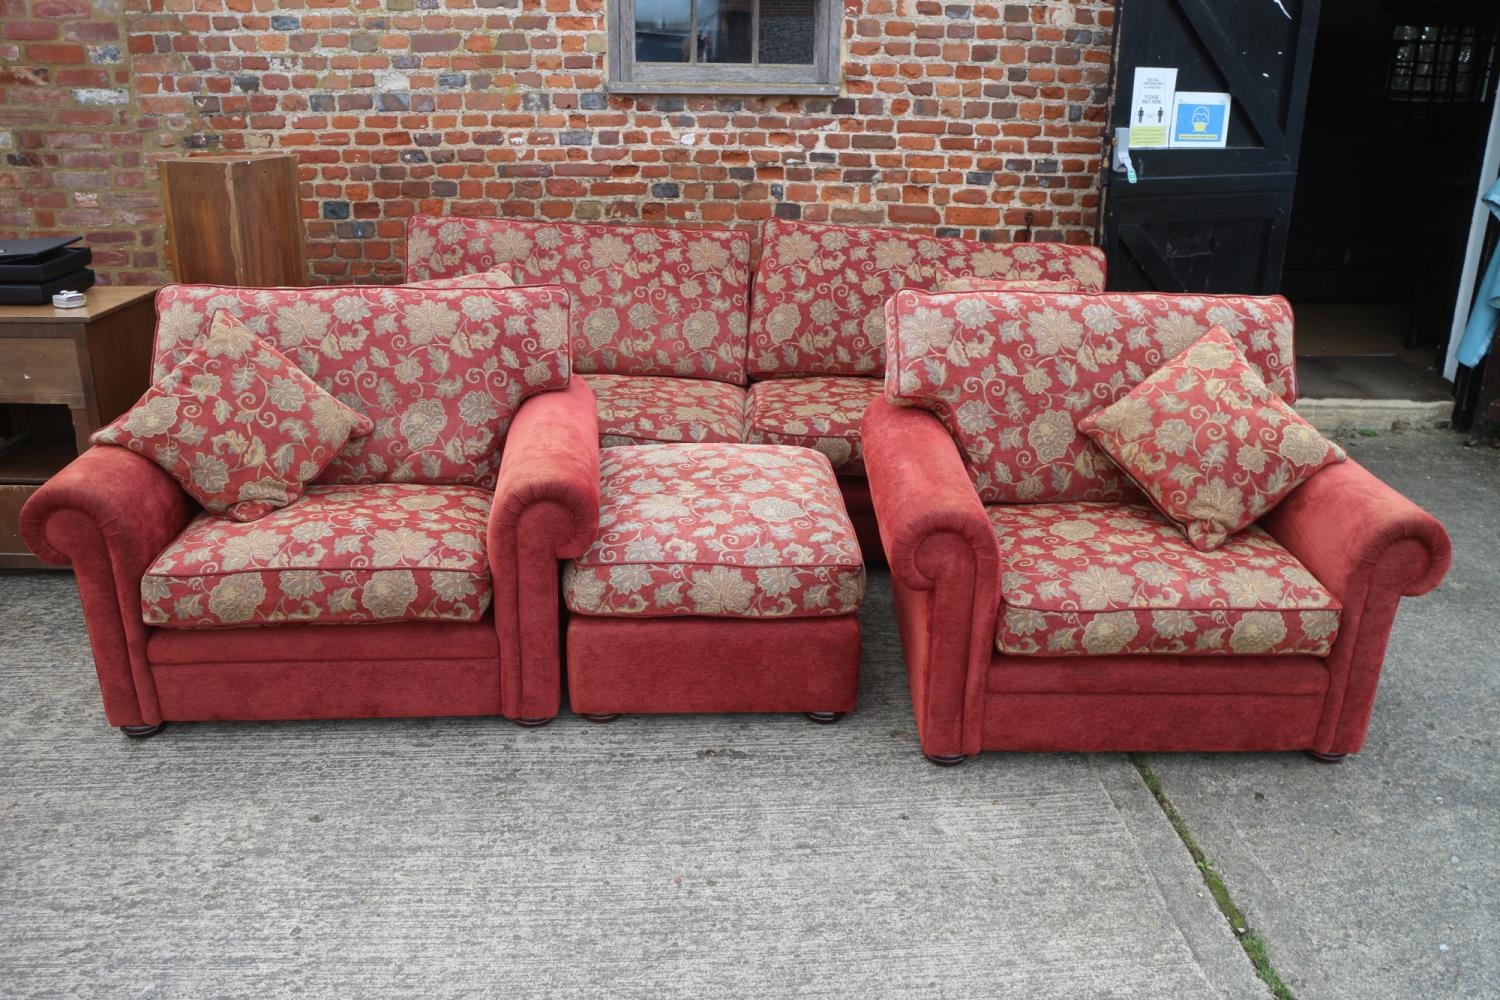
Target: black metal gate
column 1211, row 220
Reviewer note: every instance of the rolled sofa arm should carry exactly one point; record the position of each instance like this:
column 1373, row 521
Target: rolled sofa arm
column 937, row 539
column 546, row 508
column 110, row 513
column 1369, row 545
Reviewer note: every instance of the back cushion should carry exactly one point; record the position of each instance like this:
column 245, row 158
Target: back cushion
column 820, row 291
column 645, row 301
column 440, row 372
column 1011, row 373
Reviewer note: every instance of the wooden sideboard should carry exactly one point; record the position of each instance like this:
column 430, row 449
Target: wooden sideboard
column 64, row 373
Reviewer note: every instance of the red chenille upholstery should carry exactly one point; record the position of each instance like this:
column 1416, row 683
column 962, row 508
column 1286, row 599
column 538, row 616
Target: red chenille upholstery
column 111, row 514
column 1343, row 537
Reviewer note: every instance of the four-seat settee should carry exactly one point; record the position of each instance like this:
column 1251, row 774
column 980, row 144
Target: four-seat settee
column 418, row 574
column 679, row 344
column 1045, row 604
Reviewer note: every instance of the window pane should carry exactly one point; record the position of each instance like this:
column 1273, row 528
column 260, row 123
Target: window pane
column 662, row 30
column 787, row 28
column 726, row 31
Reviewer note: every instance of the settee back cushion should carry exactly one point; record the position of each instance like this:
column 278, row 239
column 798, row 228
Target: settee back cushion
column 1011, row 373
column 440, row 372
column 645, row 301
column 820, row 290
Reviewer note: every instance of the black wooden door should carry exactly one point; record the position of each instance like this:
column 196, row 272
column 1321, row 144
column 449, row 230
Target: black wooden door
column 1211, row 220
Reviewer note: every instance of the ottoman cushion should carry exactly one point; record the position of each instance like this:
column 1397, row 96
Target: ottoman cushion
column 820, row 412
column 724, row 530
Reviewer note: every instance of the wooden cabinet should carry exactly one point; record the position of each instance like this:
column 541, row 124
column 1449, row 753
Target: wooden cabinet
column 64, row 373
column 234, row 219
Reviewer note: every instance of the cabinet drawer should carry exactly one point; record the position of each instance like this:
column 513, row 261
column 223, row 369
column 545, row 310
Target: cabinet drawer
column 33, row 370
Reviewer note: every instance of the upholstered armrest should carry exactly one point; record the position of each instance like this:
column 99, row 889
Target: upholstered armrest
column 1343, row 521
column 546, row 508
column 1369, row 545
column 938, row 540
column 110, row 513
column 920, row 490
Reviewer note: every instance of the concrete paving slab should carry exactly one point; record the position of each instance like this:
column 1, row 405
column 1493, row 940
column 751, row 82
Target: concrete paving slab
column 1379, row 878
column 751, row 856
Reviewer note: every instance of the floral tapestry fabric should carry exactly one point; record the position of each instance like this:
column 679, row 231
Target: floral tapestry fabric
column 820, row 290
column 1211, row 446
column 340, row 555
column 495, row 277
column 968, row 283
column 237, row 424
column 645, row 301
column 647, row 409
column 822, row 413
column 439, row 371
column 1011, row 373
column 718, row 530
column 1084, row 579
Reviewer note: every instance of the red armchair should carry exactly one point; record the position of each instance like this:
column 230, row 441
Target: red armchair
column 112, row 513
column 952, row 563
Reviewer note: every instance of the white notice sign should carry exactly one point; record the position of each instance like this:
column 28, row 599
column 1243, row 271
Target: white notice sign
column 1151, row 107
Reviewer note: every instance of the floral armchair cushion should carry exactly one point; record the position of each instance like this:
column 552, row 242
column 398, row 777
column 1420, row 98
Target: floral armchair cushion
column 439, row 371
column 645, row 301
column 1212, row 447
column 1090, row 579
column 238, row 425
column 340, row 555
column 1011, row 373
column 723, row 530
column 820, row 290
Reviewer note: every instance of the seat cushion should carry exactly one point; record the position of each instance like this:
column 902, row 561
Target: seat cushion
column 723, row 530
column 820, row 412
column 646, row 409
column 1092, row 579
column 339, row 555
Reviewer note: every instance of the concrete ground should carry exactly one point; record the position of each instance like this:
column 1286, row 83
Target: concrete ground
column 758, row 855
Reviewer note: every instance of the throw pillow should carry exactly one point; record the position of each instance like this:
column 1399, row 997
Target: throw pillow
column 1212, row 447
column 947, row 282
column 495, row 277
column 242, row 428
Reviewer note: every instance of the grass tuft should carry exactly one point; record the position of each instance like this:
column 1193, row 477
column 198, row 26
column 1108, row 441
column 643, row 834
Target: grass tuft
column 1254, row 946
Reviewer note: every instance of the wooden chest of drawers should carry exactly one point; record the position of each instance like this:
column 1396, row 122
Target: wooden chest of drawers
column 64, row 373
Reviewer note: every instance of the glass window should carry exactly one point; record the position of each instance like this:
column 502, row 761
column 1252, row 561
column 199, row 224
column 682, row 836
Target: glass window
column 724, row 46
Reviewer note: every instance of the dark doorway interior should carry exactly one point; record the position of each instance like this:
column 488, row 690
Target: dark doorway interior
column 1398, row 113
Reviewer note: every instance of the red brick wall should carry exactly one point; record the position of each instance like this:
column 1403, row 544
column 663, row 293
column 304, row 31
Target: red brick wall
column 956, row 117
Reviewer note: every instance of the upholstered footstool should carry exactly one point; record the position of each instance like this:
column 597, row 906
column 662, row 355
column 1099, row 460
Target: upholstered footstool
column 724, row 578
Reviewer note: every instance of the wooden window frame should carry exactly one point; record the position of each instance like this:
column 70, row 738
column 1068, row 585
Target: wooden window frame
column 626, row 76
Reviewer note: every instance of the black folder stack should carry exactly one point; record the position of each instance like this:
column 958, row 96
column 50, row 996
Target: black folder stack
column 32, row 271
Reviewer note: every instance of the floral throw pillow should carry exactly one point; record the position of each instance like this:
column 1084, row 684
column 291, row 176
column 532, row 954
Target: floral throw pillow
column 495, row 277
column 238, row 425
column 948, row 282
column 1211, row 445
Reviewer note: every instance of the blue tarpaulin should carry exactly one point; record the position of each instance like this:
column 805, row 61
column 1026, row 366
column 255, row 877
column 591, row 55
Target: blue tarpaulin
column 1486, row 313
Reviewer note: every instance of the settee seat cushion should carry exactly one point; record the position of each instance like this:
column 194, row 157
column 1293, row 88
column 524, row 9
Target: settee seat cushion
column 1092, row 579
column 820, row 412
column 718, row 530
column 339, row 555
column 649, row 409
